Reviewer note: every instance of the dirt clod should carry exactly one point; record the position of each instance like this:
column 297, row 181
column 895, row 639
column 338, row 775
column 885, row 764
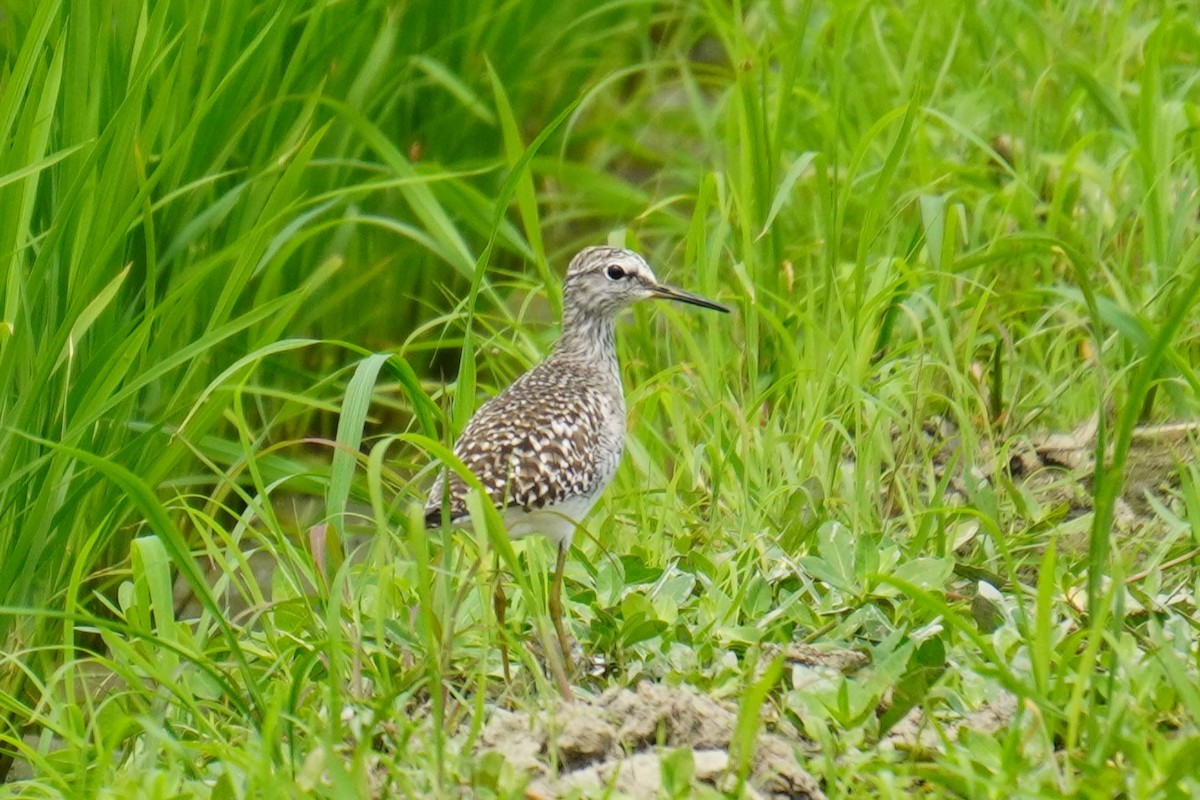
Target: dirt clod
column 916, row 734
column 687, row 719
column 584, row 739
column 807, row 655
column 710, row 764
column 613, row 741
column 515, row 736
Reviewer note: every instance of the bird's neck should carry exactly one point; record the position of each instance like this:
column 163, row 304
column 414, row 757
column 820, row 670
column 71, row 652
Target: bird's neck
column 589, row 338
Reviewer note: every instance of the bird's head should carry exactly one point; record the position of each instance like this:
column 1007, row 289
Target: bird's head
column 603, row 280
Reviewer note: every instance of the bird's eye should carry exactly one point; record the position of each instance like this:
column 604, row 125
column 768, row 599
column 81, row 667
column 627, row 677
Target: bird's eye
column 614, row 273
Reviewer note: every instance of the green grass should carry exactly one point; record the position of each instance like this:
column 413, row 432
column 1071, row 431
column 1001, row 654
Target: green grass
column 259, row 263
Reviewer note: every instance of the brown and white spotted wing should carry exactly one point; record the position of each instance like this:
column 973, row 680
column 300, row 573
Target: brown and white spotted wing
column 555, row 434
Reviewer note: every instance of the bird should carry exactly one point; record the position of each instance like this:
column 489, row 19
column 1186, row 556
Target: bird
column 546, row 447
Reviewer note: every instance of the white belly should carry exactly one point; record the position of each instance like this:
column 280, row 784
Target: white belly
column 557, row 523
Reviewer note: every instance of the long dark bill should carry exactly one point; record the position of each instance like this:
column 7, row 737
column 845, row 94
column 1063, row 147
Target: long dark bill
column 671, row 293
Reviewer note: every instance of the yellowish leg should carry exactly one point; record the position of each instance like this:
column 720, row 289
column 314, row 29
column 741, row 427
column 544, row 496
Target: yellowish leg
column 560, row 669
column 500, row 605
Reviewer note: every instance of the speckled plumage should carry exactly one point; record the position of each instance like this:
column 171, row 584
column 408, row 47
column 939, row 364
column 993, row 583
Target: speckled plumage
column 547, row 446
column 553, row 439
column 556, row 433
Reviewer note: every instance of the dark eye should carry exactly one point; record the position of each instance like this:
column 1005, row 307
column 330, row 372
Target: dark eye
column 614, row 273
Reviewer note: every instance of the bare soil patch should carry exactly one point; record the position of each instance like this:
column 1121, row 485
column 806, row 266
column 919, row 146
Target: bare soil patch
column 617, row 740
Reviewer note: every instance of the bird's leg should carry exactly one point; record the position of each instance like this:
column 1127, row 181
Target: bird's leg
column 556, row 605
column 558, row 660
column 499, row 605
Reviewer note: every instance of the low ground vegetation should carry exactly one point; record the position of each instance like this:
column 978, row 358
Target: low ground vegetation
column 921, row 516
